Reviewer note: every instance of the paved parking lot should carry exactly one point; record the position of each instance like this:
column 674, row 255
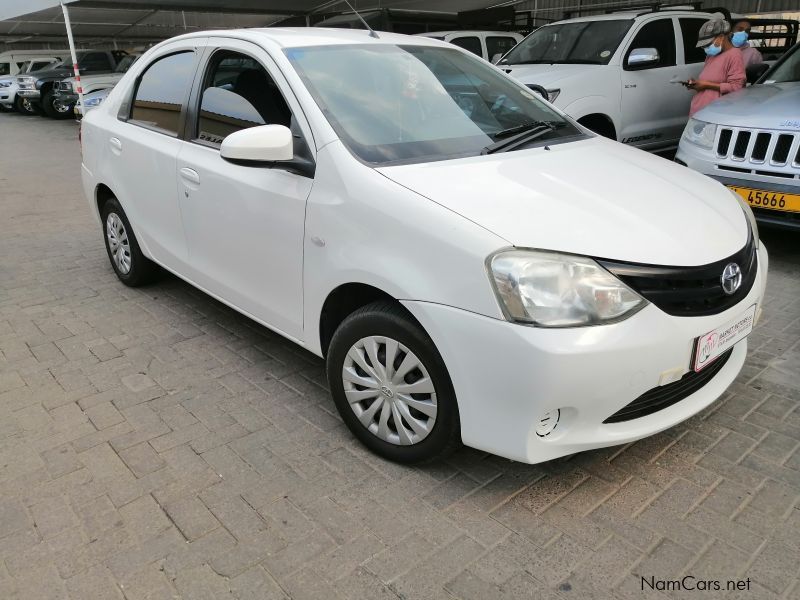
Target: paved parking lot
column 156, row 444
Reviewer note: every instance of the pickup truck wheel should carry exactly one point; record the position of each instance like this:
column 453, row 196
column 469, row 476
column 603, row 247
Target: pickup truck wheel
column 25, row 106
column 54, row 107
column 131, row 266
column 391, row 386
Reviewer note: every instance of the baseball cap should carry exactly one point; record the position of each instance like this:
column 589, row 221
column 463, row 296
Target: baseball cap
column 711, row 29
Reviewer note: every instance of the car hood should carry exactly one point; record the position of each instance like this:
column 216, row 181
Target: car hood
column 548, row 74
column 593, row 197
column 59, row 72
column 762, row 106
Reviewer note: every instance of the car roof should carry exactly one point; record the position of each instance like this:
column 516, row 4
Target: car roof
column 468, row 32
column 296, row 37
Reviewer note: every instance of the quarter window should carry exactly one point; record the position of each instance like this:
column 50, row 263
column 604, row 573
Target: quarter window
column 161, row 92
column 471, row 44
column 690, row 28
column 660, row 35
column 238, row 93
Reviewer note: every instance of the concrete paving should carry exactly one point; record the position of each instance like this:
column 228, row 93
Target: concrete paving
column 156, row 444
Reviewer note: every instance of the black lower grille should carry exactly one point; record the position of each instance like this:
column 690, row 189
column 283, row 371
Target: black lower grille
column 664, row 396
column 689, row 291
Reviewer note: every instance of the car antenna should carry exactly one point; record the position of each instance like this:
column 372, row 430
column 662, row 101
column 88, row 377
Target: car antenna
column 372, row 32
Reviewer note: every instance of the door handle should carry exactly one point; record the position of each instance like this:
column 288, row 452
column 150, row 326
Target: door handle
column 116, row 145
column 190, row 175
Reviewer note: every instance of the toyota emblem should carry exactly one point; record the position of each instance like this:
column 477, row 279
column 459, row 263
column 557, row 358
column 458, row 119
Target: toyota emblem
column 731, row 278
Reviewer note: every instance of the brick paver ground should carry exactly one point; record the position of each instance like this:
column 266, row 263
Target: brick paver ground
column 155, row 444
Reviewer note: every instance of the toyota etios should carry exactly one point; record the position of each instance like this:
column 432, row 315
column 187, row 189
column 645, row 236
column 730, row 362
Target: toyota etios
column 473, row 265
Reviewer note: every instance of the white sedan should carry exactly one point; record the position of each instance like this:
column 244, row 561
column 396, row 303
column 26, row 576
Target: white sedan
column 472, row 264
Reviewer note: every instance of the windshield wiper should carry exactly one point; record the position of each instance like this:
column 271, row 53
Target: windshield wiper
column 520, row 134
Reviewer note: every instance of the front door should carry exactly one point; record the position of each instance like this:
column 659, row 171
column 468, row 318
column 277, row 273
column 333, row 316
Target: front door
column 244, row 224
column 654, row 109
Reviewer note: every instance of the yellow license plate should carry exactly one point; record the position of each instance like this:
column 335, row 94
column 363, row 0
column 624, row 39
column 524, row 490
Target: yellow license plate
column 770, row 200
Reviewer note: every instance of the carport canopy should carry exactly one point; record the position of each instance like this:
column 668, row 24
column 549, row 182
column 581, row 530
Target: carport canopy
column 136, row 22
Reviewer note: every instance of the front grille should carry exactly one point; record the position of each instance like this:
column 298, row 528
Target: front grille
column 688, row 291
column 759, row 147
column 664, row 396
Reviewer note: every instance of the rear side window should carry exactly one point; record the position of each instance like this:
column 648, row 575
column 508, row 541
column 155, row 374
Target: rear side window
column 499, row 45
column 162, row 91
column 660, row 35
column 472, row 44
column 690, row 28
column 238, row 93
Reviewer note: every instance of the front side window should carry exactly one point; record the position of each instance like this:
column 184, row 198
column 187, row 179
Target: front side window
column 659, row 34
column 499, row 45
column 126, row 63
column 5, row 68
column 94, row 62
column 585, row 42
column 788, row 70
column 238, row 93
column 162, row 91
column 418, row 103
column 690, row 28
column 470, row 44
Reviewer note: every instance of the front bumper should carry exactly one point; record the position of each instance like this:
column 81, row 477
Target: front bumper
column 30, row 94
column 507, row 376
column 704, row 162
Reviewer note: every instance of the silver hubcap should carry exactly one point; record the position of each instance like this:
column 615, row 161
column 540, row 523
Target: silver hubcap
column 118, row 243
column 389, row 390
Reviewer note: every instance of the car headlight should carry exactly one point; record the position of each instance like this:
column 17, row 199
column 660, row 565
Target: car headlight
column 552, row 95
column 751, row 218
column 66, row 86
column 91, row 102
column 26, row 83
column 5, row 84
column 548, row 289
column 700, row 133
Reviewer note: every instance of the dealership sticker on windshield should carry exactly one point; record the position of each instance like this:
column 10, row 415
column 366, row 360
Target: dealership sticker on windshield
column 711, row 345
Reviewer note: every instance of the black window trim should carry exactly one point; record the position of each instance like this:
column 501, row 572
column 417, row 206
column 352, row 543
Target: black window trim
column 304, row 166
column 671, row 21
column 126, row 107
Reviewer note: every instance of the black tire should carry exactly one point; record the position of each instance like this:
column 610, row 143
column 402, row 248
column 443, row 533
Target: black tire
column 142, row 270
column 25, row 107
column 52, row 108
column 390, row 319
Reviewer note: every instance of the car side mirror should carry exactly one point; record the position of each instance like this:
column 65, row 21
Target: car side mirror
column 643, row 57
column 265, row 143
column 496, row 58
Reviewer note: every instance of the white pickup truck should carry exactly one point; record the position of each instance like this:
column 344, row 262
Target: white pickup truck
column 617, row 74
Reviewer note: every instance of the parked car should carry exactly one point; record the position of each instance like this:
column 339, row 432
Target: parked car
column 8, row 84
column 66, row 90
column 489, row 45
column 473, row 264
column 90, row 101
column 750, row 141
column 39, row 88
column 616, row 73
column 11, row 61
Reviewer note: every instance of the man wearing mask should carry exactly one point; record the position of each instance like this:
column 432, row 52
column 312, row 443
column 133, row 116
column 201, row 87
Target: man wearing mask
column 741, row 32
column 723, row 71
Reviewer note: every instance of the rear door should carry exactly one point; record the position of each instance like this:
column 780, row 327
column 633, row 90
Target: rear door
column 146, row 141
column 653, row 110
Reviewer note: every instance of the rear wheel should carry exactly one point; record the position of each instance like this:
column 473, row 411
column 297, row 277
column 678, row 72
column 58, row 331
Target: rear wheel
column 54, row 107
column 25, row 106
column 391, row 386
column 131, row 266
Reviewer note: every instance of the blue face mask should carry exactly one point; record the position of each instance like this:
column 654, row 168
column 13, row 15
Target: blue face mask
column 739, row 39
column 713, row 50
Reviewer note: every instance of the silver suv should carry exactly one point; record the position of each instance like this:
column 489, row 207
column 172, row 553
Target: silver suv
column 750, row 141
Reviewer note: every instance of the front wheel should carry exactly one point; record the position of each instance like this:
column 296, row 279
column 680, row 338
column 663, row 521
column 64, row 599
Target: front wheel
column 54, row 106
column 25, row 106
column 391, row 386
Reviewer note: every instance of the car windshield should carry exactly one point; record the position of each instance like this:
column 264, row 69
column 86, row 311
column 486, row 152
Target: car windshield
column 587, row 42
column 788, row 70
column 126, row 63
column 411, row 103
